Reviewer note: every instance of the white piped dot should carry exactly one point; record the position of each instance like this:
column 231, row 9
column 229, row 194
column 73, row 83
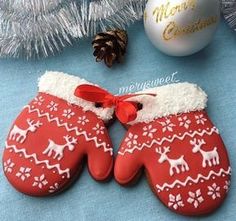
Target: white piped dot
column 61, row 120
column 223, row 175
column 20, row 155
column 70, row 125
column 41, row 111
column 167, row 189
column 202, row 181
column 180, row 134
column 199, row 129
column 213, row 177
column 158, row 138
column 89, row 134
column 158, row 191
column 190, row 184
column 32, row 106
column 108, row 145
column 43, row 167
column 178, row 186
column 31, row 160
column 54, row 171
column 80, row 129
column 99, row 140
column 148, row 141
column 208, row 128
column 63, row 177
column 51, row 116
column 10, row 150
column 190, row 131
column 139, row 145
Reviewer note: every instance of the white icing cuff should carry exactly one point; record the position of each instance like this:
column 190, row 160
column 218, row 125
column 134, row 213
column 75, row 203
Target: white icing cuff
column 63, row 86
column 170, row 99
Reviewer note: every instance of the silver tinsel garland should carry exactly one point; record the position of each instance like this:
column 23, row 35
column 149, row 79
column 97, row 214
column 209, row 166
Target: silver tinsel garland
column 229, row 12
column 35, row 28
column 38, row 28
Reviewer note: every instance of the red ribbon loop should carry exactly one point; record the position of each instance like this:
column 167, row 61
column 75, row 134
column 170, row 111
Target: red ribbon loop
column 125, row 111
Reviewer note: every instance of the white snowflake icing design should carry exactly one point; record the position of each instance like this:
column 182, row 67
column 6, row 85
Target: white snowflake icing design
column 82, row 120
column 200, row 119
column 214, row 191
column 149, row 131
column 131, row 139
column 167, row 126
column 23, row 173
column 39, row 100
column 40, row 181
column 68, row 113
column 227, row 185
column 195, row 198
column 184, row 122
column 99, row 129
column 53, row 188
column 8, row 165
column 175, row 201
column 52, row 106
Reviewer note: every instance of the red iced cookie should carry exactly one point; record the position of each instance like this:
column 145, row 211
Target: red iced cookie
column 51, row 136
column 181, row 150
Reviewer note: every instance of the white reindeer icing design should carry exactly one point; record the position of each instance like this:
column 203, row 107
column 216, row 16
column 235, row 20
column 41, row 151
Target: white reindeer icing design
column 19, row 134
column 209, row 157
column 174, row 163
column 59, row 149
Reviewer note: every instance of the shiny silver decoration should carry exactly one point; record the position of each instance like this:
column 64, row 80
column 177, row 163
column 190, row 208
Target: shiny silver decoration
column 229, row 11
column 38, row 28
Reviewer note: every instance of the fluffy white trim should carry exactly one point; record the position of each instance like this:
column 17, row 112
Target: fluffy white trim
column 63, row 86
column 170, row 99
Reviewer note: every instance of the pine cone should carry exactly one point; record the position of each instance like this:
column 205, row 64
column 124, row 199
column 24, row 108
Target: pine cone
column 110, row 46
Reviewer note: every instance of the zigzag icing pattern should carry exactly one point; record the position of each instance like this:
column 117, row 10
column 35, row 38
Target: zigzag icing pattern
column 170, row 140
column 56, row 119
column 34, row 156
column 200, row 176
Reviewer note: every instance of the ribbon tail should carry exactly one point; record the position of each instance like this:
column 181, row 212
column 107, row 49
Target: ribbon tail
column 127, row 96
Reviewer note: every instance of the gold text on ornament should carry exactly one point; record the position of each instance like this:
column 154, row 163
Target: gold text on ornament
column 145, row 15
column 166, row 10
column 173, row 30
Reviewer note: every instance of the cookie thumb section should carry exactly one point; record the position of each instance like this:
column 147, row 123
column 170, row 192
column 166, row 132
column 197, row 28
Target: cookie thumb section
column 100, row 163
column 126, row 169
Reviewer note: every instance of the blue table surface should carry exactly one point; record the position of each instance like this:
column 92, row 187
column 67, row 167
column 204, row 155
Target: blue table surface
column 213, row 69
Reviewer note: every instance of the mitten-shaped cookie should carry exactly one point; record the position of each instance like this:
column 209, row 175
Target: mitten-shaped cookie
column 52, row 135
column 183, row 155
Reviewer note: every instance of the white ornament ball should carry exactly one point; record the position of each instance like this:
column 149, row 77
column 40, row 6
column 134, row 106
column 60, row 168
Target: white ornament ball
column 181, row 27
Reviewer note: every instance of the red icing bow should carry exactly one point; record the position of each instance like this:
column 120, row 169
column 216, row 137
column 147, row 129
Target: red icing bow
column 125, row 111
